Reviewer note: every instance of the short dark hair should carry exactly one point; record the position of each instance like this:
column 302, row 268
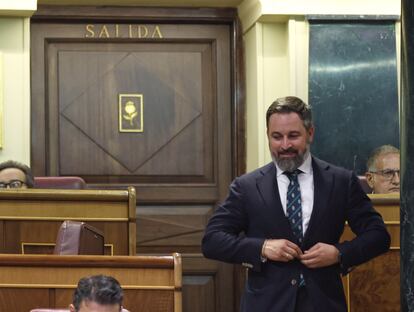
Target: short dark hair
column 101, row 289
column 291, row 104
column 381, row 150
column 18, row 165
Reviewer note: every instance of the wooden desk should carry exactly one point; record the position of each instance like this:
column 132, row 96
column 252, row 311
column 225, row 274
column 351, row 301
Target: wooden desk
column 151, row 284
column 375, row 285
column 30, row 218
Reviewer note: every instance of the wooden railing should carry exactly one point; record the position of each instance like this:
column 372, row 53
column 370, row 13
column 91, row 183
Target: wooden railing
column 150, row 283
column 375, row 285
column 30, row 218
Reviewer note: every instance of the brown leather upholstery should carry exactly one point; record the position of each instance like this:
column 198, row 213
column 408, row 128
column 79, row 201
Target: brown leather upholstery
column 79, row 238
column 59, row 182
column 50, row 310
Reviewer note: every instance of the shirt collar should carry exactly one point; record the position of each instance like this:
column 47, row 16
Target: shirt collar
column 305, row 167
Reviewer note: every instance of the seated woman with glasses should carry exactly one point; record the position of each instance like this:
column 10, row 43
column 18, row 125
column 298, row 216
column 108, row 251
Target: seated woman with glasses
column 15, row 175
column 383, row 175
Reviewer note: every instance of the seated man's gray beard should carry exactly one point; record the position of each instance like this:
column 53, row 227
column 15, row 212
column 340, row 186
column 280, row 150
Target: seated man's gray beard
column 292, row 164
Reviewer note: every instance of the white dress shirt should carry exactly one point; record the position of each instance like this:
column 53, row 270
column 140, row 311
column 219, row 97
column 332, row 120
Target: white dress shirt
column 306, row 189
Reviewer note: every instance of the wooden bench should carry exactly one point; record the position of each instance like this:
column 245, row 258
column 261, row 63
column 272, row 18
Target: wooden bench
column 375, row 285
column 150, row 283
column 30, row 218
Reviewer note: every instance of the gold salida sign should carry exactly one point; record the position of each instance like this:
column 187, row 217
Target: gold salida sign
column 131, row 113
column 123, row 31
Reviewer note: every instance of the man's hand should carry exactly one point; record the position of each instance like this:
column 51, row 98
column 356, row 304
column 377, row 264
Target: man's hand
column 320, row 255
column 281, row 250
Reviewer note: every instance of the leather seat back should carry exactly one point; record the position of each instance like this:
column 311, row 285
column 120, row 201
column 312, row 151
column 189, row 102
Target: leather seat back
column 59, row 183
column 79, row 238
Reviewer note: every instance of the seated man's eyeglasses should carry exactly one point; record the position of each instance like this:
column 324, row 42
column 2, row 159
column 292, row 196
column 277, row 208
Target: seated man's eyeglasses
column 387, row 173
column 15, row 175
column 12, row 184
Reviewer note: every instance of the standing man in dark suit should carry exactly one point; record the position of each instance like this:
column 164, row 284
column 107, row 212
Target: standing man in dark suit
column 284, row 221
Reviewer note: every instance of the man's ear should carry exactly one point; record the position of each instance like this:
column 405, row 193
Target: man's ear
column 311, row 132
column 72, row 308
column 370, row 179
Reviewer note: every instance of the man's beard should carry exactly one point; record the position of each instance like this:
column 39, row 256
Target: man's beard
column 291, row 164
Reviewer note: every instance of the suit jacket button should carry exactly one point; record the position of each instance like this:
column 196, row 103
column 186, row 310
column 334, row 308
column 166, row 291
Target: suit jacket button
column 247, row 265
column 293, row 282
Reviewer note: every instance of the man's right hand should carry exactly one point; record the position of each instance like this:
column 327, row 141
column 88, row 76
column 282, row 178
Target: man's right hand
column 280, row 250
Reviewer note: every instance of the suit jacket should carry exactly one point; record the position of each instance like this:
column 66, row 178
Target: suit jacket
column 252, row 212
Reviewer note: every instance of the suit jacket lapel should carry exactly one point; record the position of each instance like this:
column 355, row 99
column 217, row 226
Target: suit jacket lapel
column 323, row 184
column 269, row 191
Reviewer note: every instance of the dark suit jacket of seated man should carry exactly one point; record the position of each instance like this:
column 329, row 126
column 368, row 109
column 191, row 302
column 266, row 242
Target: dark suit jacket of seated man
column 291, row 271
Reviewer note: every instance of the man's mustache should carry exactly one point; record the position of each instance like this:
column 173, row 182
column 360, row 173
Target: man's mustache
column 288, row 151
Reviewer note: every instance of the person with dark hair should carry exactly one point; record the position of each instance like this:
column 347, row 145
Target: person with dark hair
column 14, row 174
column 383, row 170
column 284, row 222
column 97, row 293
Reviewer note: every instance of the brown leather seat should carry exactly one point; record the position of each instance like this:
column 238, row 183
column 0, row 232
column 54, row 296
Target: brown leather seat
column 79, row 238
column 49, row 310
column 59, row 182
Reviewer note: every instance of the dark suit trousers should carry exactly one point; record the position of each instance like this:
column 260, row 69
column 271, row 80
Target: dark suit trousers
column 303, row 302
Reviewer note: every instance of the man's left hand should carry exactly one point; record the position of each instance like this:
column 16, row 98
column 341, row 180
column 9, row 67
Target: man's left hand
column 320, row 255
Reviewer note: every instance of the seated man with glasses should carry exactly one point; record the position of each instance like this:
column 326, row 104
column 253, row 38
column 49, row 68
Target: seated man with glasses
column 383, row 175
column 14, row 174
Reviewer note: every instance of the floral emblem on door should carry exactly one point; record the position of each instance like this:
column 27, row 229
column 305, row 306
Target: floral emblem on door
column 131, row 109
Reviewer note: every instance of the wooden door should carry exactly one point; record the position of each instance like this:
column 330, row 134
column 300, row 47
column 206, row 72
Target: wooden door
column 151, row 98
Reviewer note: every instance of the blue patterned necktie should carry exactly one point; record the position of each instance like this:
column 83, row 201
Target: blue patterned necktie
column 294, row 210
column 294, row 205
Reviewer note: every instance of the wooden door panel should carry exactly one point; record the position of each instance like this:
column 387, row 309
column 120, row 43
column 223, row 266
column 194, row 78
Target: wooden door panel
column 207, row 285
column 199, row 292
column 175, row 227
column 178, row 125
column 185, row 86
